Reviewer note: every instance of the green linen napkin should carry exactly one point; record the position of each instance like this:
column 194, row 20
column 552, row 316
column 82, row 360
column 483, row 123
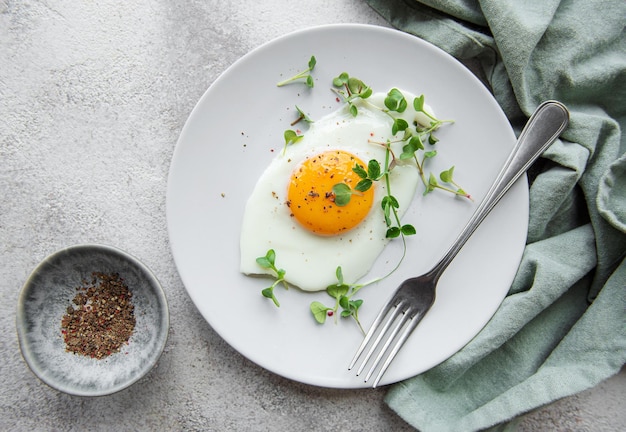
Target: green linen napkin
column 562, row 327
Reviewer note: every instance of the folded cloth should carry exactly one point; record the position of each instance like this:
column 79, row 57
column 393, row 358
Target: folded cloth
column 562, row 327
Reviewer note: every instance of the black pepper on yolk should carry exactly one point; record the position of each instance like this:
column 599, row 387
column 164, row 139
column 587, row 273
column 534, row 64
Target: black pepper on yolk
column 312, row 201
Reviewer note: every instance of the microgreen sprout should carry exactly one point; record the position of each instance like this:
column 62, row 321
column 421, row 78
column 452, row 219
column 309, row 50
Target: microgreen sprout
column 343, row 192
column 418, row 105
column 446, row 176
column 414, row 144
column 389, row 203
column 304, row 75
column 390, row 206
column 372, row 174
column 301, row 116
column 413, row 141
column 396, row 102
column 342, row 293
column 269, row 262
column 350, row 89
column 291, row 137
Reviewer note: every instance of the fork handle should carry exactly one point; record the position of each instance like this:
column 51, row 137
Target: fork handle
column 542, row 129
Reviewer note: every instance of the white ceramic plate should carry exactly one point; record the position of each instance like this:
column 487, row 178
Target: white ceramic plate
column 233, row 133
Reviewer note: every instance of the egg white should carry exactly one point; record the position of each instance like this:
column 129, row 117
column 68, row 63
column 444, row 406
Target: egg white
column 311, row 260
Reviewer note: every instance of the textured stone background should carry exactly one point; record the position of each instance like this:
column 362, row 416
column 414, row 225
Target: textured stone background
column 93, row 96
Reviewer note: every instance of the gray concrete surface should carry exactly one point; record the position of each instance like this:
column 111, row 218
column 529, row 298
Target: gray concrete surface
column 93, row 96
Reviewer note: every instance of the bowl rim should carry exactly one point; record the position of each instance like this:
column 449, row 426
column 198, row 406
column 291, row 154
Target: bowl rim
column 154, row 283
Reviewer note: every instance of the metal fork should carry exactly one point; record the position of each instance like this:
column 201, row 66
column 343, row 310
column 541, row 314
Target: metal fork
column 414, row 297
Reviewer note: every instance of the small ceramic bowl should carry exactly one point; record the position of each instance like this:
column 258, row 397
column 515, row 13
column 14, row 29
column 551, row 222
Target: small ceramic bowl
column 45, row 299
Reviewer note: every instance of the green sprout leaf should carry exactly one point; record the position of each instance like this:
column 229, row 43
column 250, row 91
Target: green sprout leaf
column 343, row 194
column 356, row 87
column 337, row 291
column 395, row 101
column 319, row 311
column 418, row 103
column 432, row 184
column 408, row 230
column 350, row 88
column 360, row 171
column 393, row 232
column 269, row 262
column 364, row 185
column 339, row 275
column 341, row 80
column 373, row 169
column 430, row 154
column 399, row 125
column 291, row 137
column 446, row 176
column 413, row 145
column 269, row 293
column 301, row 116
column 390, row 201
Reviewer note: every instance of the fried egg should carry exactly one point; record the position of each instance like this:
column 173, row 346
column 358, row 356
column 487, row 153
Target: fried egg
column 292, row 210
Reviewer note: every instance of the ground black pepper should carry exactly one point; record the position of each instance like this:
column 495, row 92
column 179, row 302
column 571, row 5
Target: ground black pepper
column 101, row 319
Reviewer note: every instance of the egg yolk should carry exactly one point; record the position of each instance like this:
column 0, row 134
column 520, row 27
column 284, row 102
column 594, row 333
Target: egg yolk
column 311, row 199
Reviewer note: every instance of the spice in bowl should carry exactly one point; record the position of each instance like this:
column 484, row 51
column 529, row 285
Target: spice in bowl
column 101, row 319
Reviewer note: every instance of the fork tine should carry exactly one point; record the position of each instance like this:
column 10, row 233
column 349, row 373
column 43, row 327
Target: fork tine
column 381, row 334
column 413, row 322
column 381, row 315
column 401, row 322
